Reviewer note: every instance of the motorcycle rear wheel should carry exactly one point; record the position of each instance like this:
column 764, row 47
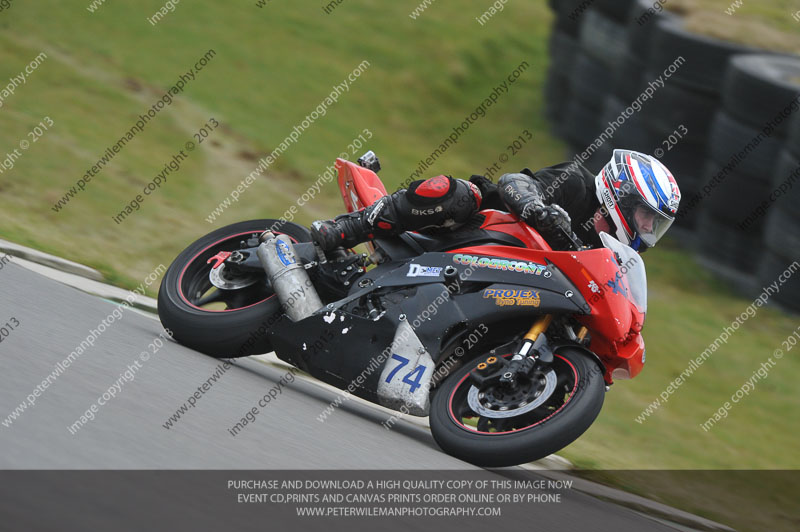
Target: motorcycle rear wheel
column 222, row 323
column 487, row 441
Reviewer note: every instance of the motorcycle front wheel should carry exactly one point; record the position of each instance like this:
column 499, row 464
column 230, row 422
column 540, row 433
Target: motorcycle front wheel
column 499, row 426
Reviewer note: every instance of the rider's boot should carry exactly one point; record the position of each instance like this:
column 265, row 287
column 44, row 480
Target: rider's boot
column 348, row 230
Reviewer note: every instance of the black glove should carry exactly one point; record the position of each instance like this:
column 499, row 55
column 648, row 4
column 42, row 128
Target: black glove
column 554, row 224
column 550, row 218
column 484, row 185
column 489, row 191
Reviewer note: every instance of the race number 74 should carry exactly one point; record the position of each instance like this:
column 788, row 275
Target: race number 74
column 411, row 378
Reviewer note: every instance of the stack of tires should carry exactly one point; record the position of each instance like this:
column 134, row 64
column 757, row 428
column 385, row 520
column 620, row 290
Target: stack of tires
column 621, row 117
column 679, row 117
column 746, row 142
column 601, row 47
column 782, row 228
column 563, row 48
column 718, row 114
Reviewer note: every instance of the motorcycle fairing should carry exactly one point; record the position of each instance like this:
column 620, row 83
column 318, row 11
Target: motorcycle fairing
column 538, row 274
column 341, row 346
column 337, row 348
column 360, row 187
column 613, row 322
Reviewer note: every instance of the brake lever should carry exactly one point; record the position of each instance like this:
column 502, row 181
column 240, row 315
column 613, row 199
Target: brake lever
column 572, row 238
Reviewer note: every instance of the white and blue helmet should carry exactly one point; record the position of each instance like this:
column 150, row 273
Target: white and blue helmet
column 640, row 197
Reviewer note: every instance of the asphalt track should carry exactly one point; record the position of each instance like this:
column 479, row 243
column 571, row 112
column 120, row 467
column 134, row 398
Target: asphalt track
column 127, row 432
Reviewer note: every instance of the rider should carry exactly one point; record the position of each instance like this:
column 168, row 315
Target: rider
column 634, row 198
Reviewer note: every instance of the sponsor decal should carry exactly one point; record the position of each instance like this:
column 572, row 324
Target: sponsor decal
column 500, row 264
column 284, row 253
column 608, row 198
column 673, row 204
column 508, row 297
column 426, row 212
column 415, row 270
column 617, row 285
column 593, row 287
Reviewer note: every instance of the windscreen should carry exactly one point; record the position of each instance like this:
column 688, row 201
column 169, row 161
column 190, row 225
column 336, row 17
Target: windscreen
column 632, row 269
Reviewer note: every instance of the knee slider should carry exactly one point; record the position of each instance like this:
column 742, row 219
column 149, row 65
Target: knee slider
column 438, row 202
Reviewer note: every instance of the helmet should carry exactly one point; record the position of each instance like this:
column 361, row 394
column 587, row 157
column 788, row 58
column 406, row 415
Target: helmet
column 639, row 198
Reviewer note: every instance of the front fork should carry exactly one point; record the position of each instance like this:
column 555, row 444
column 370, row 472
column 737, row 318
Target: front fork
column 533, row 350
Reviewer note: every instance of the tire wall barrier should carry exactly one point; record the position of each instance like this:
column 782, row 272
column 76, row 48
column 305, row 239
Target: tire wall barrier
column 725, row 121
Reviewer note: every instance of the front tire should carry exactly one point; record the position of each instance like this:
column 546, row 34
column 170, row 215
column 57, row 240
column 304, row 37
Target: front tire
column 500, row 442
column 222, row 323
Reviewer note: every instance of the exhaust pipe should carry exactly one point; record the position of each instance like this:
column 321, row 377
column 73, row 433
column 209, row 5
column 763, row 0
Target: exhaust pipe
column 288, row 277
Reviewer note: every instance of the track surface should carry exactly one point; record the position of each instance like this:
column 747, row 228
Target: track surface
column 127, row 432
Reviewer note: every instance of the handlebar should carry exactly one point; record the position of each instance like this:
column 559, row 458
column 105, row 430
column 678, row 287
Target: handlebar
column 576, row 244
column 567, row 237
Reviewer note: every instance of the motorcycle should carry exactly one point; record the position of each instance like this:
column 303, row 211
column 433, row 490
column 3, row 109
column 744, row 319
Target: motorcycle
column 506, row 345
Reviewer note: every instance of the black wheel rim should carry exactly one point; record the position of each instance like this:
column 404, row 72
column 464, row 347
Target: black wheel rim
column 197, row 291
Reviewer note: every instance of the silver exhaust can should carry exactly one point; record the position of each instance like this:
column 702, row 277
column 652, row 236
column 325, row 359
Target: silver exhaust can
column 289, row 280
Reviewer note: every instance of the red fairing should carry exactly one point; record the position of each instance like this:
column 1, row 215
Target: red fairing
column 613, row 321
column 360, row 186
column 504, row 222
column 628, row 361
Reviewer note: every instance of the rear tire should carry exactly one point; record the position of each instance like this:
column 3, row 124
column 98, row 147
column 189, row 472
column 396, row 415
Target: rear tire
column 234, row 332
column 794, row 137
column 772, row 266
column 729, row 136
column 758, row 87
column 603, row 39
column 706, row 57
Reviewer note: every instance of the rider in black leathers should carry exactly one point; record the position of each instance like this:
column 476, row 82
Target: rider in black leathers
column 549, row 199
column 634, row 198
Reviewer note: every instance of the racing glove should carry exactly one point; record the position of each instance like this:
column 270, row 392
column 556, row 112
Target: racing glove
column 551, row 219
column 554, row 224
column 524, row 197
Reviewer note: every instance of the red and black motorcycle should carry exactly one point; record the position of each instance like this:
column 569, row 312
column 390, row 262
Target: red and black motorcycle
column 507, row 345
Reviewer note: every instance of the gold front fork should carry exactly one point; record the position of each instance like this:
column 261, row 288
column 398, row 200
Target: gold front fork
column 542, row 324
column 519, row 360
column 539, row 327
